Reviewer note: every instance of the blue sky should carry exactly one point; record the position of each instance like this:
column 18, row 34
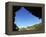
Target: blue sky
column 24, row 18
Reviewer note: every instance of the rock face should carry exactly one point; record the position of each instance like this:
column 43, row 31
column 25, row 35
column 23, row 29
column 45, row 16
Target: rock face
column 15, row 28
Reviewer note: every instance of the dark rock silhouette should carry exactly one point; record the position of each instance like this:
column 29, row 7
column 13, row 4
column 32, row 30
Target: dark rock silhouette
column 15, row 28
column 36, row 11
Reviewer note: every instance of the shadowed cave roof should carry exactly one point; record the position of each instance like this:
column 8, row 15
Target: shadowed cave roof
column 36, row 11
